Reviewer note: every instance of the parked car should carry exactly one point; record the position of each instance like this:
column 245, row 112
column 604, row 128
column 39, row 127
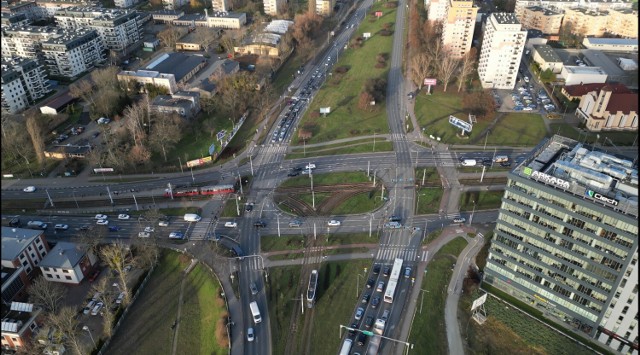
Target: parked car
column 89, row 307
column 97, row 308
column 120, row 298
column 61, row 227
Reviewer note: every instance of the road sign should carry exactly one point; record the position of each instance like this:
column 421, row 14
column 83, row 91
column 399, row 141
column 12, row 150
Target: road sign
column 430, row 81
column 366, row 332
column 465, row 126
column 212, row 148
column 366, row 35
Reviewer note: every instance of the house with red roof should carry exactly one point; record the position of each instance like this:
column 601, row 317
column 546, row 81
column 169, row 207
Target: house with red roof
column 609, row 108
column 575, row 92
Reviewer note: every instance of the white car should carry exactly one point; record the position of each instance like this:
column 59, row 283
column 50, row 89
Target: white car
column 97, row 308
column 89, row 306
column 176, row 235
column 102, row 222
column 163, row 223
column 29, row 189
column 459, row 220
column 310, row 166
column 120, row 298
column 333, row 223
column 144, row 235
column 231, row 224
column 250, row 334
column 101, row 216
column 149, row 229
column 123, row 216
column 61, row 227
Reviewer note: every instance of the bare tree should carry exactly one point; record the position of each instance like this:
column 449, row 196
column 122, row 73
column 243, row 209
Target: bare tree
column 46, row 294
column 206, row 37
column 467, row 65
column 170, row 36
column 35, row 130
column 166, row 132
column 420, row 66
column 90, row 239
column 117, row 256
column 15, row 141
column 436, row 52
column 67, row 327
column 448, row 67
column 83, row 89
column 136, row 115
column 106, row 295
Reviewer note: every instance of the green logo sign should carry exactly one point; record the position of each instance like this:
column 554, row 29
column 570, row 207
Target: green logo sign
column 527, row 170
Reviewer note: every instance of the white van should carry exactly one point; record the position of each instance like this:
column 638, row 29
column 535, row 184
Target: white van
column 469, row 162
column 255, row 312
column 346, row 347
column 37, row 224
column 192, row 217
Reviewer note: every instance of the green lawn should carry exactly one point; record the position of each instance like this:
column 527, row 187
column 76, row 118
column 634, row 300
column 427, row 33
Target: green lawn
column 344, row 148
column 309, row 198
column 341, row 91
column 230, row 208
column 296, row 242
column 483, row 200
column 429, row 175
column 327, row 179
column 281, row 289
column 428, row 332
column 360, row 203
column 518, row 129
column 618, row 138
column 285, row 242
column 429, row 201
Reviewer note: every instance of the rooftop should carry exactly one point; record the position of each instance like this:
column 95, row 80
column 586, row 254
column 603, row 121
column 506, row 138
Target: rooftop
column 278, row 26
column 545, row 11
column 505, row 18
column 583, row 89
column 547, row 53
column 64, row 255
column 602, row 178
column 613, row 41
column 178, row 64
column 14, row 240
column 266, row 38
column 584, row 70
column 624, row 102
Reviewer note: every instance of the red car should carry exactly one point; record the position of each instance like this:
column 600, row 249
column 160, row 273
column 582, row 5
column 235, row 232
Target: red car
column 94, row 275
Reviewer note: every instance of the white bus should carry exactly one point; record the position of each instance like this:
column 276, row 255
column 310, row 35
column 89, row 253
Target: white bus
column 255, row 312
column 346, row 347
column 393, row 281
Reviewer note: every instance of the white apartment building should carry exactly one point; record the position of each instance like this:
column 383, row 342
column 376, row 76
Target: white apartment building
column 325, row 7
column 25, row 41
column 437, row 10
column 562, row 5
column 459, row 24
column 73, row 53
column 220, row 5
column 273, row 7
column 125, row 4
column 501, row 52
column 173, row 4
column 118, row 29
column 24, row 81
column 28, row 8
column 49, row 7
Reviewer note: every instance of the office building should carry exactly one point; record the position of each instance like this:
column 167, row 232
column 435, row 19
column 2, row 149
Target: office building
column 502, row 48
column 566, row 240
column 24, row 81
column 458, row 26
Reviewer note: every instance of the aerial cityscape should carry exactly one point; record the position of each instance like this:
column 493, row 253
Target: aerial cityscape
column 319, row 177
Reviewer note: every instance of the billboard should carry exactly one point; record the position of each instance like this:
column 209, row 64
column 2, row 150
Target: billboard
column 378, row 13
column 197, row 162
column 479, row 302
column 325, row 110
column 366, row 35
column 466, row 126
column 430, row 81
column 103, row 170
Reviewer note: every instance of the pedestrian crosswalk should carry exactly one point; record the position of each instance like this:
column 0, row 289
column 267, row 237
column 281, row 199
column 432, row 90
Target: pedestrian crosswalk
column 390, row 252
column 200, row 230
column 398, row 137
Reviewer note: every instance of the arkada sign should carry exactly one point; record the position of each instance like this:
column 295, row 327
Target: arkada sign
column 600, row 197
column 549, row 179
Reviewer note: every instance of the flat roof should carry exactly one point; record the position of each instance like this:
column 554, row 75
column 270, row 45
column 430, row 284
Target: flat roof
column 616, row 41
column 592, row 174
column 547, row 53
column 572, row 69
column 64, row 255
column 14, row 240
column 178, row 64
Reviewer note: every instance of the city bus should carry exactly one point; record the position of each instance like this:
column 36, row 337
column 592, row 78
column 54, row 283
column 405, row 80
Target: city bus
column 393, row 281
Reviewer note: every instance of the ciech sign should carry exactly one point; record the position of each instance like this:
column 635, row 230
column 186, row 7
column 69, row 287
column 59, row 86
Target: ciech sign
column 600, row 197
column 549, row 179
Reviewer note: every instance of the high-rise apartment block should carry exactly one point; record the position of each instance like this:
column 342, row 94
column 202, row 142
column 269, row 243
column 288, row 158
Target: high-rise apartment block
column 220, row 5
column 24, row 81
column 501, row 51
column 562, row 5
column 73, row 53
column 273, row 7
column 437, row 9
column 542, row 19
column 566, row 240
column 458, row 26
column 325, row 7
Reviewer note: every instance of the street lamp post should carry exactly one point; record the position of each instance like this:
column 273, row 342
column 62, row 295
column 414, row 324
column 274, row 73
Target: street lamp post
column 472, row 212
column 90, row 335
column 278, row 218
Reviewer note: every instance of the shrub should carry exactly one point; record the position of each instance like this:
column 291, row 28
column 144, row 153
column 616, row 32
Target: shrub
column 385, row 33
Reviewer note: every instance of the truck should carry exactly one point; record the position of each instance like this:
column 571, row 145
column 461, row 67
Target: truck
column 468, row 162
column 255, row 312
column 374, row 343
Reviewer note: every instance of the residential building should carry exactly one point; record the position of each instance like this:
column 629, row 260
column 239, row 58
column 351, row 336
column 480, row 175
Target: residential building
column 19, row 325
column 542, row 19
column 184, row 103
column 611, row 44
column 24, row 81
column 562, row 5
column 325, row 7
column 219, row 5
column 26, row 41
column 501, row 52
column 437, row 10
column 29, row 8
column 74, row 53
column 49, row 7
column 610, row 108
column 458, row 26
column 585, row 22
column 166, row 16
column 22, row 252
column 13, row 19
column 273, row 7
column 547, row 58
column 67, row 263
column 575, row 92
column 125, row 4
column 566, row 240
column 173, row 4
column 117, row 28
column 623, row 23
column 574, row 75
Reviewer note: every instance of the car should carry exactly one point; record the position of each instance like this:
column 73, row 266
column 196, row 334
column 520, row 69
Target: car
column 102, row 222
column 250, row 334
column 29, row 189
column 395, row 219
column 101, row 216
column 386, row 270
column 231, row 224
column 354, row 326
column 375, row 302
column 505, row 164
column 393, row 225
column 149, row 229
column 176, row 235
column 371, row 282
column 120, row 298
column 293, row 173
column 526, row 79
column 368, row 322
column 295, row 223
column 310, row 166
column 144, row 235
column 362, row 338
column 163, row 223
column 114, row 228
column 97, row 308
column 94, row 275
column 260, row 224
column 123, row 216
column 385, row 315
column 518, row 108
column 89, row 307
column 253, row 288
column 305, row 172
column 376, row 269
column 365, row 297
column 128, row 268
column 527, row 108
column 85, row 227
column 459, row 220
column 359, row 313
column 380, row 287
column 407, row 272
column 61, row 227
column 249, row 207
column 333, row 223
column 297, row 168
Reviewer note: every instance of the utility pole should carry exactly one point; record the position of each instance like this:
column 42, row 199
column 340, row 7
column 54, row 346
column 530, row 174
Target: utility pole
column 51, row 201
column 135, row 201
column 108, row 191
column 237, row 206
column 278, row 217
column 251, row 164
column 240, row 179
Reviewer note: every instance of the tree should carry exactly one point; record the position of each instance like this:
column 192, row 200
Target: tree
column 107, row 295
column 116, row 256
column 67, row 327
column 46, row 294
column 448, row 67
column 166, row 132
column 15, row 140
column 35, row 130
column 306, row 27
column 136, row 115
column 420, row 66
column 467, row 65
column 170, row 35
column 364, row 102
column 90, row 239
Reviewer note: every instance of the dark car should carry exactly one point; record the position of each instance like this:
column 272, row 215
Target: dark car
column 395, row 219
column 505, row 164
column 362, row 339
column 260, row 224
column 368, row 322
column 365, row 298
column 94, row 275
column 487, row 162
column 375, row 302
column 370, row 283
column 298, row 168
column 386, row 271
column 293, row 173
column 249, row 207
column 114, row 228
column 376, row 269
column 355, row 326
